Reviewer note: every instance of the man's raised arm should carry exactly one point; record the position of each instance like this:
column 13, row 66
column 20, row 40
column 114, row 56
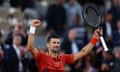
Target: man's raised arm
column 30, row 44
column 88, row 48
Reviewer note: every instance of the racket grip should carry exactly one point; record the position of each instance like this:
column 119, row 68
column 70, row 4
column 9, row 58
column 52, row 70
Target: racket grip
column 103, row 43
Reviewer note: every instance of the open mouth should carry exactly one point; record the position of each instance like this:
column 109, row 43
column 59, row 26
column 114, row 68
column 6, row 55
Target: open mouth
column 56, row 47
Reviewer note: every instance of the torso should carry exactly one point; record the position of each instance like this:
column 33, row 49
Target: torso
column 49, row 64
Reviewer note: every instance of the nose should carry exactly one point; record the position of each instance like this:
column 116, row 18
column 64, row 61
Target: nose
column 57, row 44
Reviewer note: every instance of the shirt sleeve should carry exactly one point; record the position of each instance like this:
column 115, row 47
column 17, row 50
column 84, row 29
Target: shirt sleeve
column 69, row 58
column 39, row 56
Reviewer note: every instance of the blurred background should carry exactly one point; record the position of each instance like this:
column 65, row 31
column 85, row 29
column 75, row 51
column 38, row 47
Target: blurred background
column 63, row 17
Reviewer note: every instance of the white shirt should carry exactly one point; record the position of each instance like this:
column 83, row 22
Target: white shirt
column 108, row 29
column 74, row 48
column 19, row 57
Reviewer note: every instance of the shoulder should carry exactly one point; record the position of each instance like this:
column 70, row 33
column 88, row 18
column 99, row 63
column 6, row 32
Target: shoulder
column 6, row 46
column 66, row 55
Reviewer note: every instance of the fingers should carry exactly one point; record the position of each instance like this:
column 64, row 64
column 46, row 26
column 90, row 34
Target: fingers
column 36, row 22
column 99, row 31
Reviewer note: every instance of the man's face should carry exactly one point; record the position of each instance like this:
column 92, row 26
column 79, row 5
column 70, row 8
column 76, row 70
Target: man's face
column 116, row 2
column 54, row 45
column 117, row 55
column 72, row 1
column 72, row 34
column 60, row 1
column 17, row 40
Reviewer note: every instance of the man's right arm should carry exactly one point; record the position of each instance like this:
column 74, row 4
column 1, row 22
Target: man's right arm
column 31, row 47
column 30, row 44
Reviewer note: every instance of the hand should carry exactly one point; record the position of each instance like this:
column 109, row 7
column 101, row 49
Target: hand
column 98, row 32
column 36, row 23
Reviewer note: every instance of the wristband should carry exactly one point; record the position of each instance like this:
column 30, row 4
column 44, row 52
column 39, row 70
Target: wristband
column 32, row 30
column 94, row 40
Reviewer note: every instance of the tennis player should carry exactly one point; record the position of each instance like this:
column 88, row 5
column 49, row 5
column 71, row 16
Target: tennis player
column 52, row 61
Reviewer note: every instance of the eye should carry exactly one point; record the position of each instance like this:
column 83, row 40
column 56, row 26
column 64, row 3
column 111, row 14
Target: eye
column 53, row 42
column 58, row 42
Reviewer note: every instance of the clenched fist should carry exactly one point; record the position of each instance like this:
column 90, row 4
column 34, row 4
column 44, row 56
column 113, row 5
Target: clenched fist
column 36, row 23
column 98, row 32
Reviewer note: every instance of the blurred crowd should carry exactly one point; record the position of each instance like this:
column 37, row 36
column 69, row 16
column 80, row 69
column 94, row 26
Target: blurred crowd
column 62, row 17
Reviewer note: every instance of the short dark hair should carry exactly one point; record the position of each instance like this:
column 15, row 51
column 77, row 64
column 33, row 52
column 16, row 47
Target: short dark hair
column 52, row 36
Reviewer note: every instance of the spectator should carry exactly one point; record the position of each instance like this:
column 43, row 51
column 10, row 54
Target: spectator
column 107, row 62
column 1, row 41
column 22, row 4
column 69, row 45
column 73, row 8
column 107, row 27
column 77, row 66
column 15, row 3
column 56, row 18
column 27, row 4
column 1, row 54
column 115, row 12
column 1, row 2
column 89, row 59
column 116, row 35
column 111, row 62
column 74, row 40
column 15, row 56
column 75, row 37
column 18, row 29
column 98, row 59
column 116, row 64
column 107, row 30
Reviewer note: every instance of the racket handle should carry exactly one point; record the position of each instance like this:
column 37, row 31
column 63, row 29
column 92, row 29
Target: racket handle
column 103, row 43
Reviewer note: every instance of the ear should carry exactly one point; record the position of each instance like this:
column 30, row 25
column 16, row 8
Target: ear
column 47, row 45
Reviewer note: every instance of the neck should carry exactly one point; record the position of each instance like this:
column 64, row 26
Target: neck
column 54, row 54
column 17, row 45
column 71, row 3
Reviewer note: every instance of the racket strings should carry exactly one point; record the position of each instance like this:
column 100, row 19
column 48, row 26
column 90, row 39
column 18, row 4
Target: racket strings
column 92, row 16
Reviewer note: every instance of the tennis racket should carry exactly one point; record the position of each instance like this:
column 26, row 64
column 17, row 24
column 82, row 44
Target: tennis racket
column 93, row 17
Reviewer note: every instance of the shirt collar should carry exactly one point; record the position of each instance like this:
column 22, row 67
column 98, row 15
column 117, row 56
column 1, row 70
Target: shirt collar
column 58, row 58
column 15, row 47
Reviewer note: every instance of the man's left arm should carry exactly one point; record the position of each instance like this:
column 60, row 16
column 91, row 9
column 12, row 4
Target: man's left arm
column 88, row 48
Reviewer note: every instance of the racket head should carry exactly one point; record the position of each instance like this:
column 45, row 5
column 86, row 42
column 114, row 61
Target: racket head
column 92, row 15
